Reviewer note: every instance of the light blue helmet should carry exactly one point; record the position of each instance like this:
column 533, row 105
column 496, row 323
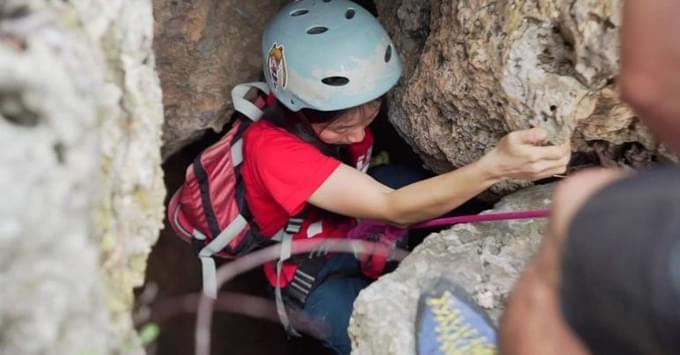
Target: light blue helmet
column 328, row 55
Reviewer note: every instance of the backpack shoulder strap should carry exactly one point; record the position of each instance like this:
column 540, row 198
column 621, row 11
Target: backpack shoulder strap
column 244, row 106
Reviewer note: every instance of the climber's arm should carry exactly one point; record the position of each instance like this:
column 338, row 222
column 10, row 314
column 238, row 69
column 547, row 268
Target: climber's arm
column 519, row 154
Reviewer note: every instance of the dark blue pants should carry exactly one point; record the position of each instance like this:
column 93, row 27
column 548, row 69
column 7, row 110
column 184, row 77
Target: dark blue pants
column 332, row 300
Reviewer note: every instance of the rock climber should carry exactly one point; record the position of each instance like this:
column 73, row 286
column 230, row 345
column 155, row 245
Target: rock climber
column 329, row 66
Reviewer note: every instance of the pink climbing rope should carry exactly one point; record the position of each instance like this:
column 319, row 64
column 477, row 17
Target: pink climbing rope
column 499, row 216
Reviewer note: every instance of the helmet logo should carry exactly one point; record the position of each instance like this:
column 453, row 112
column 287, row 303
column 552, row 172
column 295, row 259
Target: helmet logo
column 277, row 66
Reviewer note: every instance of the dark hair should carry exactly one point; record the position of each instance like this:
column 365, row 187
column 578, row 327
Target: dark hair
column 300, row 124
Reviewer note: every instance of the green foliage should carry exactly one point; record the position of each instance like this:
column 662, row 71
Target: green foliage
column 149, row 333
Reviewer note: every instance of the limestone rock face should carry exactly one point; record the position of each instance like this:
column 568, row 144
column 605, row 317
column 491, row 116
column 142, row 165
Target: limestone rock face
column 476, row 70
column 484, row 258
column 204, row 48
column 80, row 124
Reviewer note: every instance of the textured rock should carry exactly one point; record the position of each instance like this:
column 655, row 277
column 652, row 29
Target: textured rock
column 484, row 258
column 80, row 123
column 477, row 69
column 204, row 48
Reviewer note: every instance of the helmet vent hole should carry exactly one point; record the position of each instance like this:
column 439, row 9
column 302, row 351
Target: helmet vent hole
column 388, row 53
column 326, row 0
column 317, row 30
column 299, row 12
column 349, row 14
column 335, row 81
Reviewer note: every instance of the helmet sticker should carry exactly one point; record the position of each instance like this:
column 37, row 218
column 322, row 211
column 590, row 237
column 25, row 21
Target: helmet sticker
column 277, row 66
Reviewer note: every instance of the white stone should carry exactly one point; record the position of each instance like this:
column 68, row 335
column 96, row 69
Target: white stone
column 484, row 258
column 80, row 121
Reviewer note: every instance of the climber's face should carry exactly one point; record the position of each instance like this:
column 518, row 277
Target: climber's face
column 350, row 127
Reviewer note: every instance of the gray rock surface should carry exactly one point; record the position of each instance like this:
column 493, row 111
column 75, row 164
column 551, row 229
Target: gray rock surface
column 204, row 48
column 484, row 258
column 476, row 70
column 80, row 123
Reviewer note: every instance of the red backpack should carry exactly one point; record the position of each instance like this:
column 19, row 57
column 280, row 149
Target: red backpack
column 209, row 210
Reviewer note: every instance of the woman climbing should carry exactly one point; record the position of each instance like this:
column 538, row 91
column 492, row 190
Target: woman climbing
column 328, row 64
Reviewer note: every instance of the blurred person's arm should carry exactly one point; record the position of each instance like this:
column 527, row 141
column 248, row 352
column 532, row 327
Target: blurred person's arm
column 533, row 322
column 619, row 281
column 650, row 65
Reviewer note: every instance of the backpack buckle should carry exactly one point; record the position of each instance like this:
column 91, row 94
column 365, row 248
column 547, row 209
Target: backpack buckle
column 305, row 280
column 294, row 225
column 300, row 287
column 198, row 240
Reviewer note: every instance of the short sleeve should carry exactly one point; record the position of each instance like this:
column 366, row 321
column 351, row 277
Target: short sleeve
column 291, row 170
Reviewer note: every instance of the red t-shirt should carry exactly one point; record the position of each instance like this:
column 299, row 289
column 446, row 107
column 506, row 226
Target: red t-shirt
column 280, row 173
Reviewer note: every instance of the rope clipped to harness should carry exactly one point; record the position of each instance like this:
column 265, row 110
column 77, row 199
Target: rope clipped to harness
column 259, row 257
column 357, row 247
